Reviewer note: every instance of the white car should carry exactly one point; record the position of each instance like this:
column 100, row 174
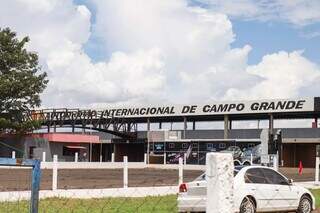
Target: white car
column 257, row 189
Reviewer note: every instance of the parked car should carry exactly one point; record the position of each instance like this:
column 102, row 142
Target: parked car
column 236, row 153
column 257, row 189
column 234, row 150
column 245, row 158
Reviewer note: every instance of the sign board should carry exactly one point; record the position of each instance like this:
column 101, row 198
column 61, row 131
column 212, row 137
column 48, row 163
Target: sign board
column 215, row 108
column 158, row 147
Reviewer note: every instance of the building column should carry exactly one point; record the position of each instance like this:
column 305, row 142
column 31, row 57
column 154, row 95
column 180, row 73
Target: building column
column 316, row 122
column 90, row 157
column 184, row 127
column 148, row 124
column 114, row 151
column 270, row 134
column 271, row 124
column 226, row 127
column 148, row 140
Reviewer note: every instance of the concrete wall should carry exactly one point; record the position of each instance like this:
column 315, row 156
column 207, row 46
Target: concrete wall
column 41, row 145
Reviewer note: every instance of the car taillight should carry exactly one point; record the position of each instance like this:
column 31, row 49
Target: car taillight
column 183, row 187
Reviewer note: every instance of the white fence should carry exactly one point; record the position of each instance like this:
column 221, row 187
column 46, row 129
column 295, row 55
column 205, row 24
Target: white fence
column 125, row 191
column 125, row 165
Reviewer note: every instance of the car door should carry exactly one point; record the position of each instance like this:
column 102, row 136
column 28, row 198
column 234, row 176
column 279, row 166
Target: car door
column 286, row 195
column 258, row 187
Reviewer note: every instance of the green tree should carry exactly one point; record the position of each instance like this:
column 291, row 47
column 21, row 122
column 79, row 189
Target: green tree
column 21, row 83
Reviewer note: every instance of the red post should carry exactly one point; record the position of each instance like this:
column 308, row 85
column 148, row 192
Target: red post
column 300, row 167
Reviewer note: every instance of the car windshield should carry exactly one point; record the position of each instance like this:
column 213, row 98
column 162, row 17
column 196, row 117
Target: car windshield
column 248, row 152
column 235, row 172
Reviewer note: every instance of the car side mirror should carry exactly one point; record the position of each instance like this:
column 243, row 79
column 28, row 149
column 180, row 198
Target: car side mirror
column 290, row 181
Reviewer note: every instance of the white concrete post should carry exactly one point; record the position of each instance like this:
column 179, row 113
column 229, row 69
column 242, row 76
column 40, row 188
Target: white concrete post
column 219, row 176
column 13, row 154
column 100, row 158
column 44, row 157
column 251, row 159
column 76, row 157
column 164, row 159
column 125, row 172
column 112, row 157
column 55, row 172
column 185, row 159
column 145, row 158
column 180, row 171
column 317, row 171
column 275, row 162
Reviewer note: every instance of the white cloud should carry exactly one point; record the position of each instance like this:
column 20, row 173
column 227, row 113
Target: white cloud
column 58, row 31
column 159, row 51
column 195, row 44
column 297, row 12
column 282, row 75
column 310, row 35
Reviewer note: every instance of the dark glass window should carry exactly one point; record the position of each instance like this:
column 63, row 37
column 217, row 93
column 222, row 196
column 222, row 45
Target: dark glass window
column 31, row 151
column 250, row 145
column 194, row 145
column 222, row 145
column 171, row 145
column 69, row 152
column 255, row 176
column 274, row 178
column 184, row 145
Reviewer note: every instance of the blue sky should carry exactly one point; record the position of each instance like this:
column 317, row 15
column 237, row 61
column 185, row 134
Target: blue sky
column 266, row 38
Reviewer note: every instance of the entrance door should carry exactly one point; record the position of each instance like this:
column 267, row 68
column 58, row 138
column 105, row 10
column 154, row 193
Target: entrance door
column 31, row 152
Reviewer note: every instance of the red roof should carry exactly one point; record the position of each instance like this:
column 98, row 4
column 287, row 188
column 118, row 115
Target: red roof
column 68, row 138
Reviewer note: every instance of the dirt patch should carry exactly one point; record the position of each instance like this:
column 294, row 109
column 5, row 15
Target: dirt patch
column 293, row 173
column 20, row 179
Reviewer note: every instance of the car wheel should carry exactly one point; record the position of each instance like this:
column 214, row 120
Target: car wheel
column 246, row 163
column 236, row 163
column 247, row 206
column 305, row 205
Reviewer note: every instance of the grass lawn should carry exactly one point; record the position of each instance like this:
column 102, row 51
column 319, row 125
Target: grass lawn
column 161, row 204
column 316, row 193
